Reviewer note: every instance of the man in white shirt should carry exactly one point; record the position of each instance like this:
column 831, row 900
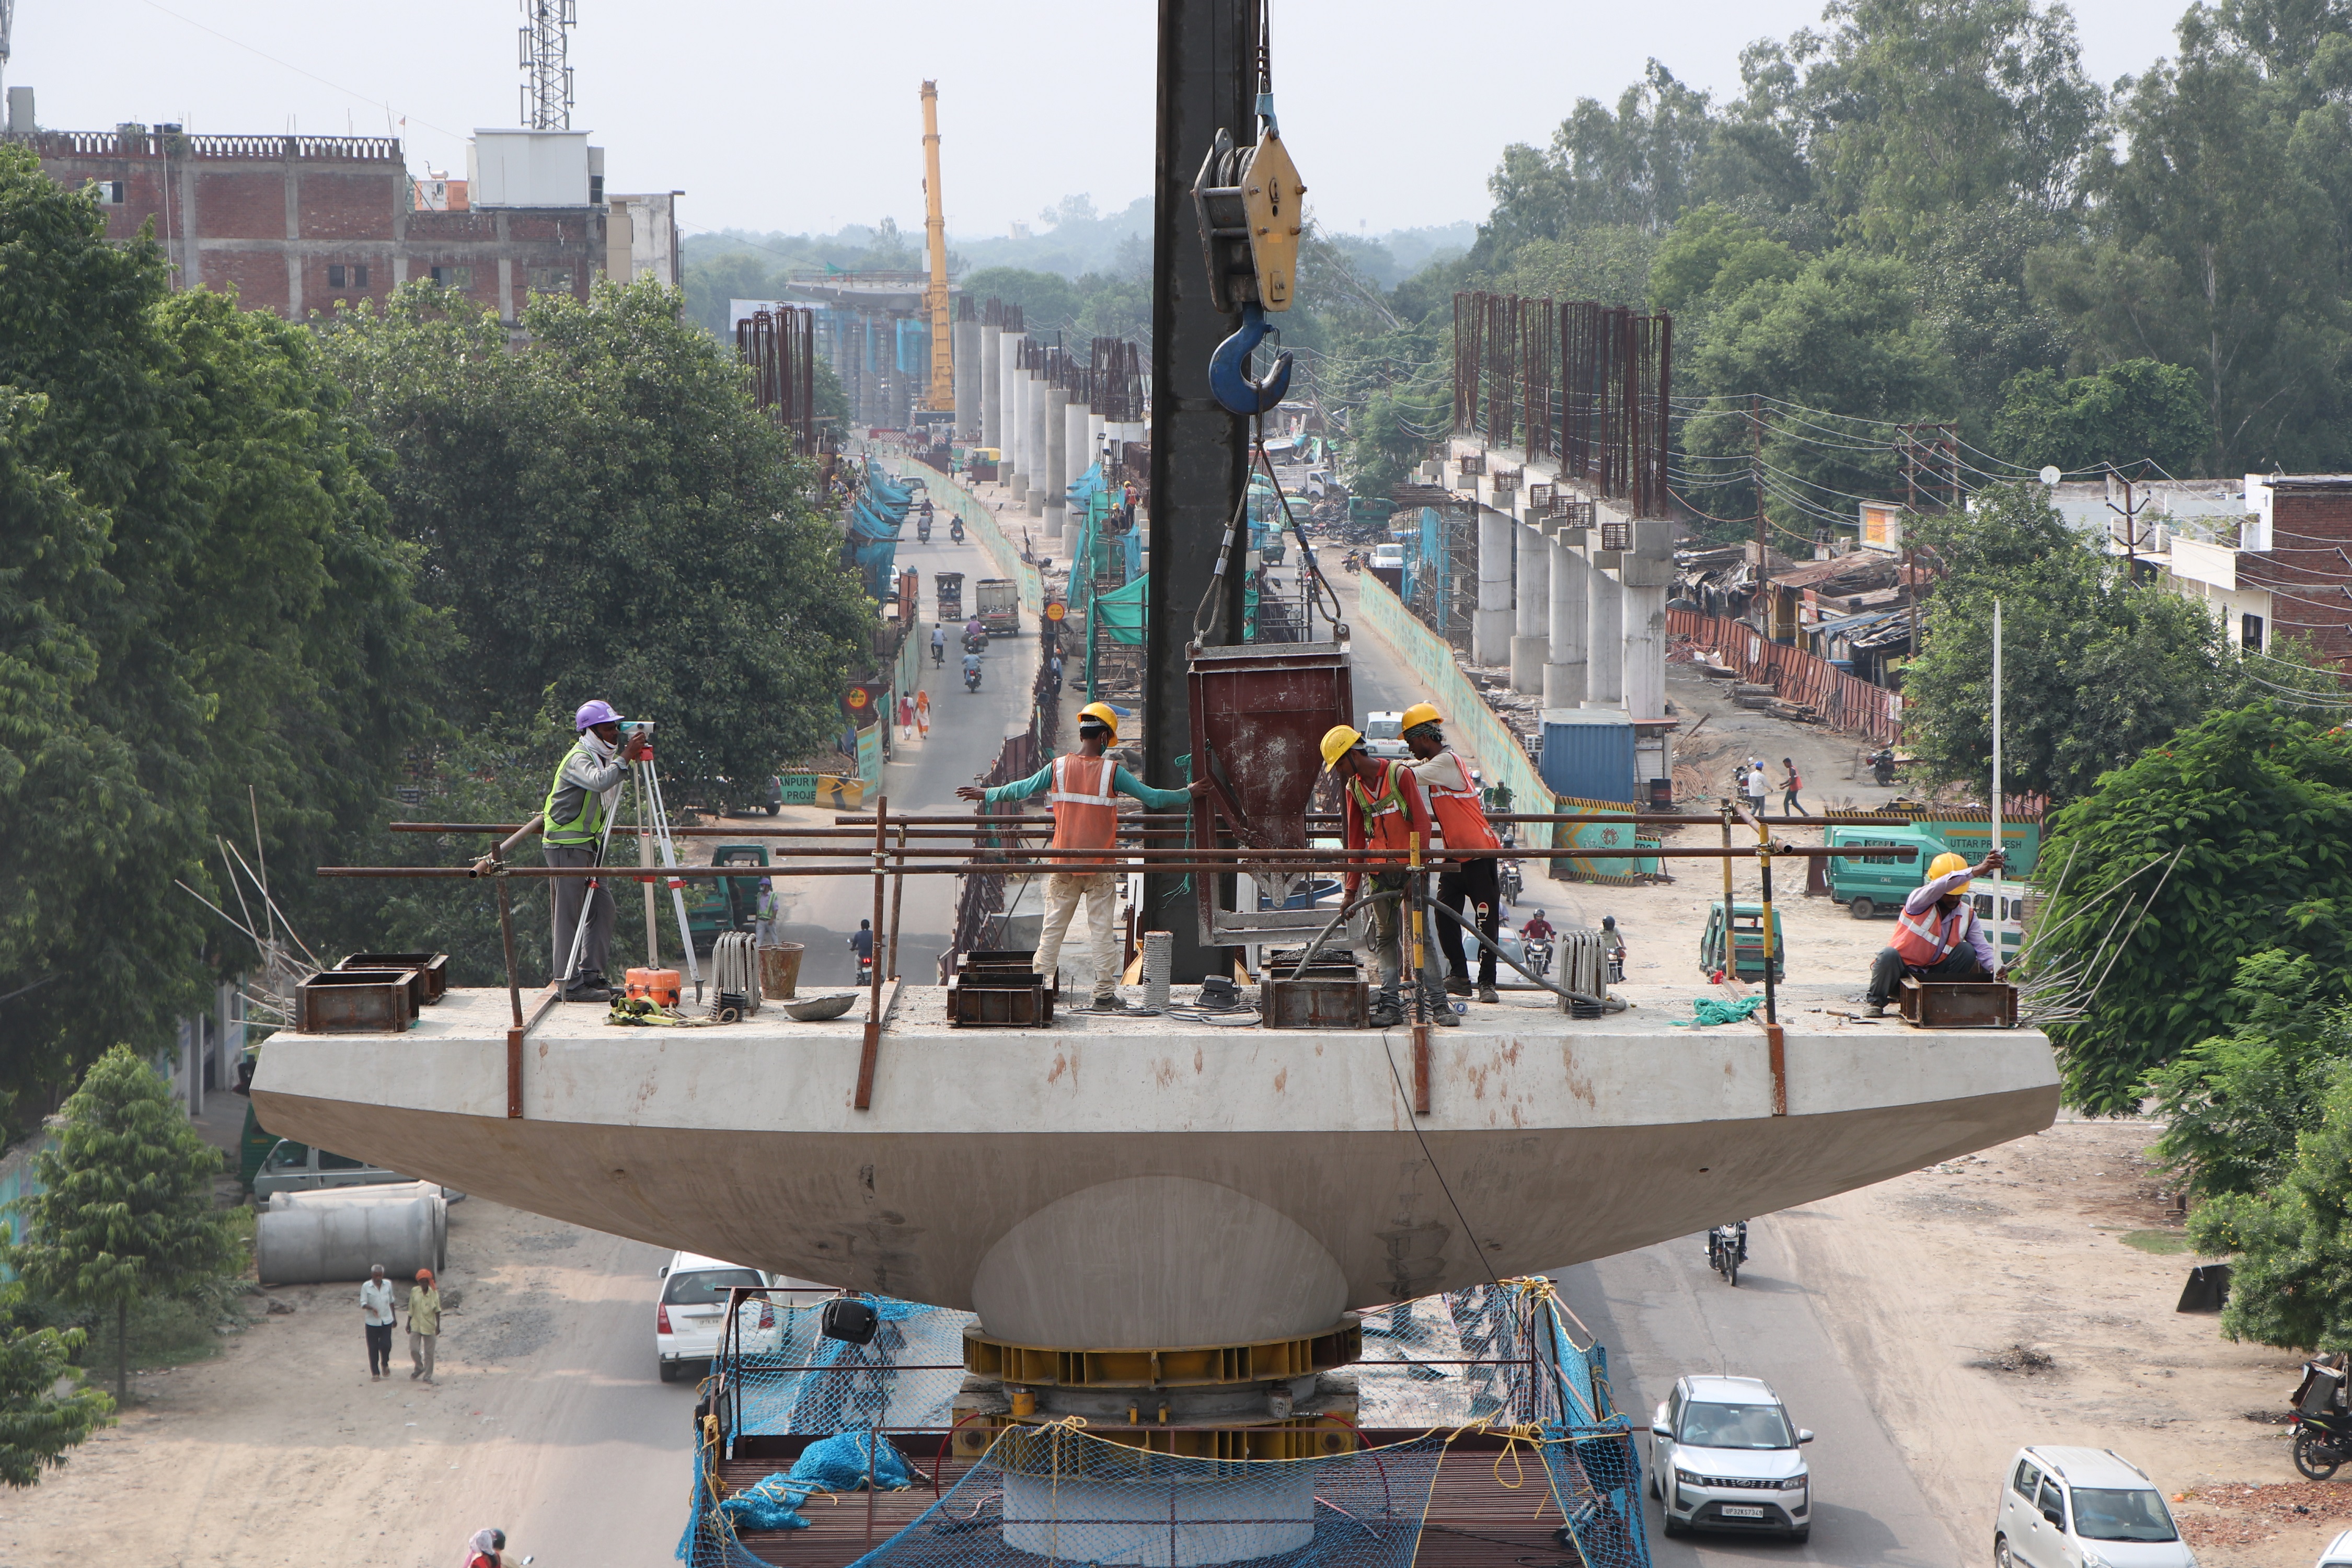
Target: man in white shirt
column 375, row 1307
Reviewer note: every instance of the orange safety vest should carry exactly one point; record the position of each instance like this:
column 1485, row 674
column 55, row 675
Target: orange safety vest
column 1461, row 814
column 1387, row 824
column 1085, row 805
column 1929, row 936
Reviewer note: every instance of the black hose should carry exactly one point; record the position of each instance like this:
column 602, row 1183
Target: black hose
column 1608, row 1004
column 1364, row 901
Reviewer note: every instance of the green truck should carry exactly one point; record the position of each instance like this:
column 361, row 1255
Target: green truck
column 725, row 903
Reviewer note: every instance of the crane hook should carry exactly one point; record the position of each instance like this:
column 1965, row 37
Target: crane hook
column 1229, row 375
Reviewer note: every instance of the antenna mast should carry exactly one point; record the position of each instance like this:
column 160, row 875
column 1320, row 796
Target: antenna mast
column 545, row 43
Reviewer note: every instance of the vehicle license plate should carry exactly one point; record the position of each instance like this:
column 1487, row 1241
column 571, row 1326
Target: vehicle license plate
column 1731, row 1512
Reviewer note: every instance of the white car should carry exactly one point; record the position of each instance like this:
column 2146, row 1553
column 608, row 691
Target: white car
column 1723, row 1455
column 2085, row 1508
column 1383, row 734
column 2338, row 1553
column 1389, row 557
column 693, row 1309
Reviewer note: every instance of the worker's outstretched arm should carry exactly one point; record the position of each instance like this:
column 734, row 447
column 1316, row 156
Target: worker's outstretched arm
column 1019, row 789
column 1127, row 783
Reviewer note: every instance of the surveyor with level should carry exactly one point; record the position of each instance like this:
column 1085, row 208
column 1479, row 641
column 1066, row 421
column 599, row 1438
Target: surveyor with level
column 578, row 805
column 1937, row 936
column 1386, row 814
column 1083, row 790
column 1461, row 816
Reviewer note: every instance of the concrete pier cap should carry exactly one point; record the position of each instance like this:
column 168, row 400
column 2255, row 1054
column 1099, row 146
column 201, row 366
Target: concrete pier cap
column 1110, row 1182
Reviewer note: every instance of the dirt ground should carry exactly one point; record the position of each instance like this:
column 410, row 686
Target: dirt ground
column 281, row 1451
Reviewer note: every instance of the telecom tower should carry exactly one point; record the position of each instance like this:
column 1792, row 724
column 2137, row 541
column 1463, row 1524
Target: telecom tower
column 545, row 42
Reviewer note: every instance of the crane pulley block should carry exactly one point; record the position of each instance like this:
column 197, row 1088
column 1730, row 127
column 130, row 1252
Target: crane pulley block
column 1249, row 204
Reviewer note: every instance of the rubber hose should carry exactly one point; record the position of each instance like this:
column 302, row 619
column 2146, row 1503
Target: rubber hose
column 1365, row 901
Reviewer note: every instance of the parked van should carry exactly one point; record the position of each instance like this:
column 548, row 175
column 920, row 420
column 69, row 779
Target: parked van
column 1872, row 884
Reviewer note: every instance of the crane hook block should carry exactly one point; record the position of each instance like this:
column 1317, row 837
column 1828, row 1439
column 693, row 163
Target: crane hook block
column 1229, row 376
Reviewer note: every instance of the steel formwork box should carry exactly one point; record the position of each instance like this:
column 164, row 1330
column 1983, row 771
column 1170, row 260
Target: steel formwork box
column 1329, row 994
column 1963, row 1005
column 432, row 967
column 1000, row 988
column 1258, row 712
column 357, row 1002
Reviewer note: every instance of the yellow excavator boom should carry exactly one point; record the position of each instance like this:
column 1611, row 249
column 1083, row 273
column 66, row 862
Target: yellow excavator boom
column 935, row 294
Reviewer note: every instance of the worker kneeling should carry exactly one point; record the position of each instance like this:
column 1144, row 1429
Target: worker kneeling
column 1083, row 791
column 1937, row 936
column 1386, row 815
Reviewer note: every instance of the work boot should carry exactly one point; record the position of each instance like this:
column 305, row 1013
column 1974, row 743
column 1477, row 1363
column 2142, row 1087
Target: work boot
column 1107, row 1002
column 1873, row 1009
column 598, row 992
column 1457, row 985
column 1385, row 1013
column 1487, row 993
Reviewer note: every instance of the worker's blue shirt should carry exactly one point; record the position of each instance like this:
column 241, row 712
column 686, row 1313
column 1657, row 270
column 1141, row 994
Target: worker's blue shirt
column 1125, row 783
column 863, row 943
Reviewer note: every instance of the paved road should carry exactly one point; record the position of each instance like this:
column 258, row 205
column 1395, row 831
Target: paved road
column 1663, row 1313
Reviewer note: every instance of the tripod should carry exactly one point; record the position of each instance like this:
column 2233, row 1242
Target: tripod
column 650, row 810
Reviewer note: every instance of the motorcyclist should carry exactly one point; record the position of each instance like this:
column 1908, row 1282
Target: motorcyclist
column 486, row 1549
column 861, row 940
column 939, row 646
column 955, row 529
column 1534, row 928
column 973, row 632
column 970, row 671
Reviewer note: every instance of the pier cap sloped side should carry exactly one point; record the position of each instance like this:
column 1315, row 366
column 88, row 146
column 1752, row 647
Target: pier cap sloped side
column 1121, row 1183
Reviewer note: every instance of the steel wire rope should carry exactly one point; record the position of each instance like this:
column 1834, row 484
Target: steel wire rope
column 1469, row 1237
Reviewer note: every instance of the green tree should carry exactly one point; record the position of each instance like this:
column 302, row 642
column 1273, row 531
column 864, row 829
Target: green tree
column 1631, row 167
column 1047, row 299
column 2141, row 409
column 2096, row 669
column 1609, row 263
column 606, row 514
column 2223, row 232
column 2232, row 1107
column 202, row 599
column 38, row 1425
column 2245, row 820
column 2290, row 1282
column 125, row 1208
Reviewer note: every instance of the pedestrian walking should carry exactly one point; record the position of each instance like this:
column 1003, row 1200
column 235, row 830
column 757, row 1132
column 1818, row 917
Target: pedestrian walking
column 906, row 717
column 1759, row 786
column 1789, row 804
column 923, row 714
column 424, row 1325
column 376, row 1312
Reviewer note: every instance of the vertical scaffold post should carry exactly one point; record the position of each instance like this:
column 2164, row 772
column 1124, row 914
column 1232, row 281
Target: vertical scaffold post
column 1413, row 977
column 872, row 1048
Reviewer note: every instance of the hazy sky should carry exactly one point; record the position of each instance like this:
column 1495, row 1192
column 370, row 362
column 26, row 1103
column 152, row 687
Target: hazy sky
column 807, row 116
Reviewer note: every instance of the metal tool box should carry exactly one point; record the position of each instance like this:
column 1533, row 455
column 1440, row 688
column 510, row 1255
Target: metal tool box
column 357, row 1002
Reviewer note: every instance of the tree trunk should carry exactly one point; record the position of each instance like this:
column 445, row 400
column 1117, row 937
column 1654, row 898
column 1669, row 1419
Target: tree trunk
column 122, row 1353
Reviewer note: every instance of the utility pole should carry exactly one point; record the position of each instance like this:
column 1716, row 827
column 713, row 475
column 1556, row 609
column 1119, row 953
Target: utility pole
column 2130, row 510
column 1200, row 459
column 1763, row 538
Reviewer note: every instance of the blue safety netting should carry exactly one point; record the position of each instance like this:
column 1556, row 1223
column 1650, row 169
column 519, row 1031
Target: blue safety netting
column 1492, row 1359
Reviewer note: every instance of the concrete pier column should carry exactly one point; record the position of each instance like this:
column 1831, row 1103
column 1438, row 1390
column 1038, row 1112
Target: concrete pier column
column 1490, row 628
column 1605, row 640
column 1563, row 683
column 1013, row 375
column 1034, row 414
column 1531, row 643
column 1056, row 499
column 1645, row 649
column 965, row 341
column 1096, row 427
column 991, row 384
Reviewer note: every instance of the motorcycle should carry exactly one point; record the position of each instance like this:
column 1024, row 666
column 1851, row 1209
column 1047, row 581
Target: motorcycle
column 975, row 642
column 955, row 530
column 1882, row 765
column 1538, row 955
column 1354, row 562
column 972, row 678
column 1727, row 1250
column 923, row 529
column 866, row 970
column 1508, row 876
column 2322, row 1444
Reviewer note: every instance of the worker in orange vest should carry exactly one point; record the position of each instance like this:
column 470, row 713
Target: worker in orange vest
column 1083, row 790
column 1386, row 813
column 1937, row 936
column 1461, row 814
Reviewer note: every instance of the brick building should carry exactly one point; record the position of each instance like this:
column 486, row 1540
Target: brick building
column 2284, row 568
column 296, row 224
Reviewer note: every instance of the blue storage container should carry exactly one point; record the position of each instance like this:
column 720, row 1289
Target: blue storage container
column 1588, row 753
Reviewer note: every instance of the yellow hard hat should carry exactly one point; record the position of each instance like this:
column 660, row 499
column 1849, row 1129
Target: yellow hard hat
column 1101, row 713
column 1338, row 742
column 1945, row 864
column 1417, row 715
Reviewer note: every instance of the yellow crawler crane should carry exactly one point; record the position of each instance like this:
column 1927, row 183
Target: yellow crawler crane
column 935, row 294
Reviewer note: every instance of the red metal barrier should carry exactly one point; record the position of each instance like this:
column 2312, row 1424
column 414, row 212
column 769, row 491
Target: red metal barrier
column 1843, row 701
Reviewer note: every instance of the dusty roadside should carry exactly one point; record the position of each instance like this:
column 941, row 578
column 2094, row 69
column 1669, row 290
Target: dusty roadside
column 281, row 1452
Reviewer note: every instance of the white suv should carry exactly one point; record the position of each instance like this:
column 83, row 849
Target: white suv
column 1723, row 1456
column 2083, row 1507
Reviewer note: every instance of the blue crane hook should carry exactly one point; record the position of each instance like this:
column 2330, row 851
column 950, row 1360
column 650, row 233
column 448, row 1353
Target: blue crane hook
column 1229, row 376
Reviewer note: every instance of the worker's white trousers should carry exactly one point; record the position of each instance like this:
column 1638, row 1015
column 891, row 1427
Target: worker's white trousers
column 1063, row 892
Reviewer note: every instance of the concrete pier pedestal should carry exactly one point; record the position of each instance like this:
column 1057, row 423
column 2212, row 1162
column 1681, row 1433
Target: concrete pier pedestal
column 1604, row 639
column 1563, row 682
column 991, row 384
column 1055, row 430
column 1531, row 606
column 1491, row 625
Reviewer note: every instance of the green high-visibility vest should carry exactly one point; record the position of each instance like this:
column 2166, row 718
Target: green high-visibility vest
column 575, row 817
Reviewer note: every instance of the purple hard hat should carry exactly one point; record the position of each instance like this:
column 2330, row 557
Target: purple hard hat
column 597, row 712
